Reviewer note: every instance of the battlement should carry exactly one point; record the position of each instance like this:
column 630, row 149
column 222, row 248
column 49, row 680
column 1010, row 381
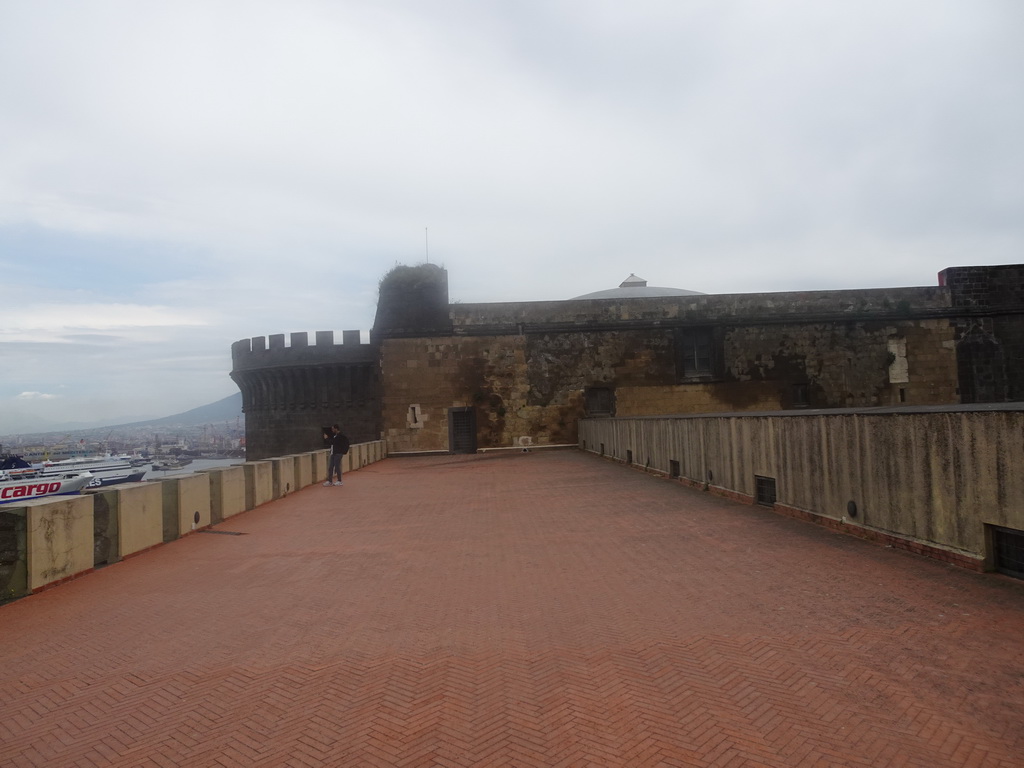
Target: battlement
column 273, row 352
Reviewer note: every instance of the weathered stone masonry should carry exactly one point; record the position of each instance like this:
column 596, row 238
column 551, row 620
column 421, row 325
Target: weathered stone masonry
column 990, row 332
column 492, row 373
column 290, row 392
column 534, row 369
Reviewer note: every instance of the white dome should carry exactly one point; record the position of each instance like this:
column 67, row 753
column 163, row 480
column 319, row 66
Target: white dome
column 634, row 287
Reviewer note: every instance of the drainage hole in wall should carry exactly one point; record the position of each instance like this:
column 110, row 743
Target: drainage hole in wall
column 764, row 488
column 1008, row 545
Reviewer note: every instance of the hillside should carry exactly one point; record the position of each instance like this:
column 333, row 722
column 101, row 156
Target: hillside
column 228, row 409
column 226, row 412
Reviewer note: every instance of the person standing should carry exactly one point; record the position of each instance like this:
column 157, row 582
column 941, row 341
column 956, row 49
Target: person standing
column 339, row 447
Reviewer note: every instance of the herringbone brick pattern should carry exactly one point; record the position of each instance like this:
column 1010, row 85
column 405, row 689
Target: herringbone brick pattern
column 542, row 609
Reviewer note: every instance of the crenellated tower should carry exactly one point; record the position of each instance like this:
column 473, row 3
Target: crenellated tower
column 290, row 391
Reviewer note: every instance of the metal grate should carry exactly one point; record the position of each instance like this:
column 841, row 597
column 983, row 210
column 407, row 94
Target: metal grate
column 223, row 533
column 1009, row 551
column 764, row 488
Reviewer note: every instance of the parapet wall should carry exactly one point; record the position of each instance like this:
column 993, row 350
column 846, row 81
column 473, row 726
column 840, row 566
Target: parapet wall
column 272, row 351
column 933, row 481
column 48, row 541
column 880, row 304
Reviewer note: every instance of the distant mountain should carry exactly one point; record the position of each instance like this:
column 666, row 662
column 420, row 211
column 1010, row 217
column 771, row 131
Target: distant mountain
column 228, row 409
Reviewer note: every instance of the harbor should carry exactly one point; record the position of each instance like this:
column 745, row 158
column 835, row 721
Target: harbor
column 21, row 480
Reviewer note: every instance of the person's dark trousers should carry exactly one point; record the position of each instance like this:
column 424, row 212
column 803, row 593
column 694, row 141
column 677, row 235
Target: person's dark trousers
column 334, row 467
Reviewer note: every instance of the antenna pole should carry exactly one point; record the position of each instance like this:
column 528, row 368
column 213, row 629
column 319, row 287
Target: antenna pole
column 426, row 243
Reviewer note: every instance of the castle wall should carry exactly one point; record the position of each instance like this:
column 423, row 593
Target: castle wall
column 990, row 333
column 534, row 369
column 424, row 378
column 289, row 393
column 749, row 308
column 501, row 371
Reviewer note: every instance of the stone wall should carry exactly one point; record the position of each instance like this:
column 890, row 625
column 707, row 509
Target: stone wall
column 424, row 378
column 534, row 368
column 289, row 393
column 752, row 308
column 930, row 480
column 537, row 383
column 990, row 331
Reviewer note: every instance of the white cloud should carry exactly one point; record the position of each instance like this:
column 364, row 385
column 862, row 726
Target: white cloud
column 36, row 396
column 217, row 169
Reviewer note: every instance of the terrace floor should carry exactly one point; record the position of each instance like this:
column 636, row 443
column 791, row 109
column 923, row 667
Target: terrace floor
column 540, row 609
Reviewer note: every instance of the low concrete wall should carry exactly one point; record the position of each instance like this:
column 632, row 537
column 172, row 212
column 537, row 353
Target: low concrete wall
column 259, row 483
column 283, row 469
column 105, row 530
column 319, row 460
column 138, row 508
column 929, row 481
column 47, row 541
column 13, row 553
column 227, row 492
column 59, row 543
column 186, row 504
column 303, row 470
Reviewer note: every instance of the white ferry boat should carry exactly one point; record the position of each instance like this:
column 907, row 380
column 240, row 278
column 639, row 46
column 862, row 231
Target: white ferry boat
column 86, row 464
column 105, row 470
column 23, row 489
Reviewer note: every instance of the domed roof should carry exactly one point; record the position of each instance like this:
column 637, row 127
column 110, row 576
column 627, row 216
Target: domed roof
column 634, row 287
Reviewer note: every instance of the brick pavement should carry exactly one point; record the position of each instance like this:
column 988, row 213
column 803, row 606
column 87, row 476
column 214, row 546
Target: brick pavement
column 541, row 609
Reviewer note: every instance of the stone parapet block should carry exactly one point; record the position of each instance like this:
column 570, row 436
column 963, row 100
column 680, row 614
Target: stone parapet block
column 186, row 504
column 283, row 469
column 227, row 492
column 259, row 483
column 303, row 470
column 319, row 461
column 137, row 512
column 59, row 540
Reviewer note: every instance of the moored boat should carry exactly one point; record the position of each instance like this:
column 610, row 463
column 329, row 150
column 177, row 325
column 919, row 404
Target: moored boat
column 169, row 464
column 105, row 470
column 23, row 489
column 104, row 479
column 85, row 464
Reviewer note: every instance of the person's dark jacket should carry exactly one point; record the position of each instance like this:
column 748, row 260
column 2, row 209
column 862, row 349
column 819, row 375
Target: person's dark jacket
column 339, row 443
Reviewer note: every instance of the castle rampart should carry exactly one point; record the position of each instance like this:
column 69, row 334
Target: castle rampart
column 290, row 391
column 458, row 377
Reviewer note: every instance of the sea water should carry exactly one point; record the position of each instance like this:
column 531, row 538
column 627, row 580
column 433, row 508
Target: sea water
column 195, row 466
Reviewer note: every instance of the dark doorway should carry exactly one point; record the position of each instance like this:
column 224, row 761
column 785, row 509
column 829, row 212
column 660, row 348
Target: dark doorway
column 462, row 430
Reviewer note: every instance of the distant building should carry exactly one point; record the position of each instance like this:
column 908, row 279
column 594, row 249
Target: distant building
column 437, row 376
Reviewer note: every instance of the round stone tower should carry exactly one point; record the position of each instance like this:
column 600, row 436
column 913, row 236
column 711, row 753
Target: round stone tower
column 290, row 392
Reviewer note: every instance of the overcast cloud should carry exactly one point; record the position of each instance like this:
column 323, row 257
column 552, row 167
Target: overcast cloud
column 175, row 176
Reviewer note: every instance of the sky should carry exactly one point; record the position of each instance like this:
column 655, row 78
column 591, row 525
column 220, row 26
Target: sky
column 175, row 176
